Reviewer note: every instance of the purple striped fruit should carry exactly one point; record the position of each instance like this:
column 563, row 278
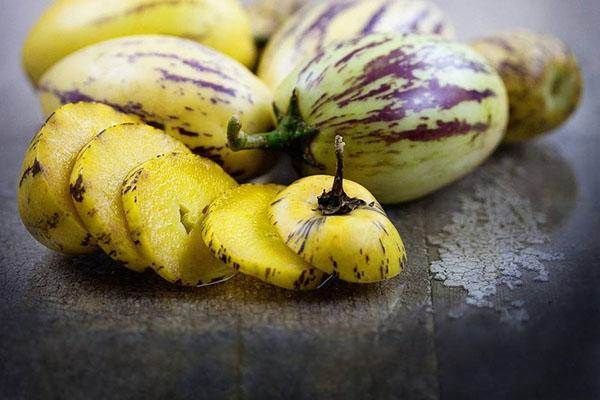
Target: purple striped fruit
column 417, row 113
column 318, row 25
column 541, row 75
column 174, row 84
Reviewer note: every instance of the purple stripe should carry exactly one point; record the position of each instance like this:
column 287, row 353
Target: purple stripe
column 439, row 28
column 140, row 9
column 429, row 97
column 166, row 75
column 340, row 64
column 195, row 65
column 322, row 22
column 423, row 133
column 375, row 18
column 400, row 65
column 75, row 96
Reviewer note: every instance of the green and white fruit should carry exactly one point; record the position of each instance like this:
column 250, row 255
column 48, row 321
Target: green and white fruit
column 174, row 84
column 541, row 75
column 417, row 113
column 320, row 24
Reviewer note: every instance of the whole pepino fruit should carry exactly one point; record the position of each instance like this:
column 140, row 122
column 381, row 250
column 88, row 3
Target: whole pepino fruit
column 418, row 112
column 542, row 78
column 318, row 25
column 184, row 88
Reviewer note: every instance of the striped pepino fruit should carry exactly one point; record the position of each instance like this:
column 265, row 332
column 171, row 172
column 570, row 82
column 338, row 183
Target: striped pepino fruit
column 318, row 25
column 541, row 75
column 69, row 25
column 177, row 85
column 417, row 112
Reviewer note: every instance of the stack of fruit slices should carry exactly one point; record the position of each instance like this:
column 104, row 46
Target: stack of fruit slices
column 149, row 203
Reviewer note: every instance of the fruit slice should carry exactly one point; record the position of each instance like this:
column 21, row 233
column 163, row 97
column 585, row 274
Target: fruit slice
column 163, row 200
column 96, row 181
column 44, row 201
column 238, row 231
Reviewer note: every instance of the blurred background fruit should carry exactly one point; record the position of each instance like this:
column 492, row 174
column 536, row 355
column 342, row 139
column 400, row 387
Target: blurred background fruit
column 542, row 77
column 69, row 25
column 317, row 25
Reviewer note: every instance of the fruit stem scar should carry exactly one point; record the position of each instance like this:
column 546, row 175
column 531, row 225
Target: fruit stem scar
column 291, row 131
column 336, row 201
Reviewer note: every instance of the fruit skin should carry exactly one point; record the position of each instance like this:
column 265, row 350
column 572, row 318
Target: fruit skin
column 96, row 179
column 69, row 25
column 361, row 247
column 268, row 15
column 238, row 231
column 418, row 112
column 188, row 89
column 541, row 75
column 317, row 26
column 43, row 197
column 163, row 199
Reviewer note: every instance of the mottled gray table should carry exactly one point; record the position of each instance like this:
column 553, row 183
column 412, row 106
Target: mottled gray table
column 500, row 300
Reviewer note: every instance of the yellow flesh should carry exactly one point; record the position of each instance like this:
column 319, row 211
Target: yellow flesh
column 163, row 199
column 96, row 182
column 44, row 201
column 237, row 229
column 69, row 25
column 362, row 247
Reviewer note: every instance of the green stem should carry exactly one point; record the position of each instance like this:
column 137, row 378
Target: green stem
column 291, row 130
column 336, row 201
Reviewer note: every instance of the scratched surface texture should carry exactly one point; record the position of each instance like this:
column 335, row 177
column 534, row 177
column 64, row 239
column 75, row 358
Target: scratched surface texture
column 500, row 299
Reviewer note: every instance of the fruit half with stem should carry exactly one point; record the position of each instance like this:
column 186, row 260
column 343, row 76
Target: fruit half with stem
column 339, row 227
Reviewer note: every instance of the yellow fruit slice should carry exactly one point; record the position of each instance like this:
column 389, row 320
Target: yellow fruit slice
column 45, row 204
column 238, row 231
column 163, row 200
column 96, row 181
